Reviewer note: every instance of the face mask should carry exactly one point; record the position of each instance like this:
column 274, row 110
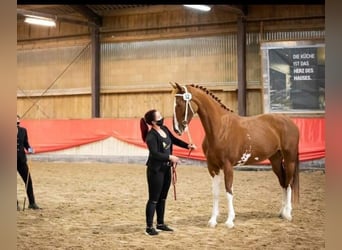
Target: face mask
column 160, row 122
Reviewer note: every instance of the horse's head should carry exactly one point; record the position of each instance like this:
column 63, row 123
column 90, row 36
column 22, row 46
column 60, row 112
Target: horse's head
column 184, row 108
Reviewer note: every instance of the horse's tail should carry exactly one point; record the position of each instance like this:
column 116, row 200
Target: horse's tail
column 295, row 183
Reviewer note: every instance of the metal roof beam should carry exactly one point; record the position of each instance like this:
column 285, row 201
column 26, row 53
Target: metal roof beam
column 88, row 13
column 55, row 17
column 241, row 10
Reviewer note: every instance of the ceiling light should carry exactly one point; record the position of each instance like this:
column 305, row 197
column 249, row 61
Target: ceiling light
column 198, row 7
column 40, row 21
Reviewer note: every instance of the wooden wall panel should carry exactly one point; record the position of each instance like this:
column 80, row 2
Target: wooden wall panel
column 130, row 87
column 62, row 29
column 161, row 71
column 285, row 11
column 254, row 101
column 66, row 67
column 114, row 105
column 136, row 104
column 56, row 107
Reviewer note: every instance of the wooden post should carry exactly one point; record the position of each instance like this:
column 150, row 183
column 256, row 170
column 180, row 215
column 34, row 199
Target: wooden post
column 95, row 72
column 241, row 52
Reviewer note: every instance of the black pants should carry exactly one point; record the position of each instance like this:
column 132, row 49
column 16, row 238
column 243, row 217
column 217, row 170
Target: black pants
column 23, row 170
column 158, row 187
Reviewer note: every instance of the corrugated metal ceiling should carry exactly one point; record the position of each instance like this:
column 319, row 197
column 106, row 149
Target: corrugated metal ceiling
column 54, row 9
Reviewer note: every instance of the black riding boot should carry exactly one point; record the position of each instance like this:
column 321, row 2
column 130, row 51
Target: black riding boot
column 160, row 212
column 150, row 209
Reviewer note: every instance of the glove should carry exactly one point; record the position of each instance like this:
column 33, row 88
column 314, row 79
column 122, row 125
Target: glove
column 30, row 150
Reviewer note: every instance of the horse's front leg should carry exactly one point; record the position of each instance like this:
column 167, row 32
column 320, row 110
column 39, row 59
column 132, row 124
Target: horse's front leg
column 228, row 179
column 216, row 193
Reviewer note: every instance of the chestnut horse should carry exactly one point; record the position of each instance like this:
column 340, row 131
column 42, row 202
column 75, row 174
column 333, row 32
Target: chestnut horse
column 232, row 140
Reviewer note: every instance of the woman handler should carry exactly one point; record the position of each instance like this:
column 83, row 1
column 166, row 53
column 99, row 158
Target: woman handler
column 159, row 140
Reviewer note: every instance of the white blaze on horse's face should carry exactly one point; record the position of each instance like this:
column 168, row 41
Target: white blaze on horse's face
column 175, row 121
column 181, row 114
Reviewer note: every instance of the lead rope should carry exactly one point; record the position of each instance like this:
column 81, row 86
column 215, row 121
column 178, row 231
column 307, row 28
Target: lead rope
column 190, row 140
column 174, row 166
column 174, row 179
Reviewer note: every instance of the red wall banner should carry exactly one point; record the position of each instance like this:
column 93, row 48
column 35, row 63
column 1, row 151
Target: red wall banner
column 53, row 135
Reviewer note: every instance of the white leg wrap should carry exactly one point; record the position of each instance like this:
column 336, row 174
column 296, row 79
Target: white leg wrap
column 283, row 202
column 286, row 213
column 216, row 192
column 231, row 213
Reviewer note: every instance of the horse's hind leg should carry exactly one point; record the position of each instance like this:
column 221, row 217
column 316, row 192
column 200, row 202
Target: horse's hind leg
column 291, row 182
column 278, row 168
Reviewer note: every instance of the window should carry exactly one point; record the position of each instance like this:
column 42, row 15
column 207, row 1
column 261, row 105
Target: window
column 294, row 76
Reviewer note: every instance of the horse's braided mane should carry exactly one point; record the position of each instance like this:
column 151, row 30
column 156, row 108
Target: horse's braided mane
column 212, row 95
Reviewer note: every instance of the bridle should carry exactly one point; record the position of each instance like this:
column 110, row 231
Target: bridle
column 187, row 98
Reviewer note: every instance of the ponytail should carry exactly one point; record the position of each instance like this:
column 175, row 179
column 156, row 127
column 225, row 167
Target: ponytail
column 145, row 121
column 143, row 129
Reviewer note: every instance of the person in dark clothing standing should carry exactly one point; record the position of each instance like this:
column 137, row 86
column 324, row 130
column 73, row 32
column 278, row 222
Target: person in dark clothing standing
column 22, row 168
column 159, row 140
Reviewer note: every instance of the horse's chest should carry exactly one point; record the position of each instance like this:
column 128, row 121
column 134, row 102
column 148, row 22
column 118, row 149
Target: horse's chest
column 238, row 154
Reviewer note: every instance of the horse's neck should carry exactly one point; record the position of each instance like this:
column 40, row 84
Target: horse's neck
column 211, row 113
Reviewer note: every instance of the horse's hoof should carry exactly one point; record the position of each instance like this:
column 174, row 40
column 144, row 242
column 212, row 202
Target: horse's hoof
column 229, row 224
column 212, row 224
column 286, row 216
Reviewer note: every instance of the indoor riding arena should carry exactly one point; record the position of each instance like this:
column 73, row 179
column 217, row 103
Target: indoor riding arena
column 86, row 80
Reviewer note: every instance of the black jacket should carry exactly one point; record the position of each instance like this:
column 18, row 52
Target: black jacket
column 22, row 143
column 157, row 158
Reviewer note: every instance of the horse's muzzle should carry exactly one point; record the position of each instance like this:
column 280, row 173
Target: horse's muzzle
column 178, row 132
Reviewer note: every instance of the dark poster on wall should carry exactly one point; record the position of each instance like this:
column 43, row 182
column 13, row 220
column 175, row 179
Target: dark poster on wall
column 304, row 82
column 279, row 69
column 301, row 78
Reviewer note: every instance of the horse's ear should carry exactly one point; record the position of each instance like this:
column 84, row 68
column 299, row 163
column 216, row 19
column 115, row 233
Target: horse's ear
column 178, row 87
column 173, row 85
